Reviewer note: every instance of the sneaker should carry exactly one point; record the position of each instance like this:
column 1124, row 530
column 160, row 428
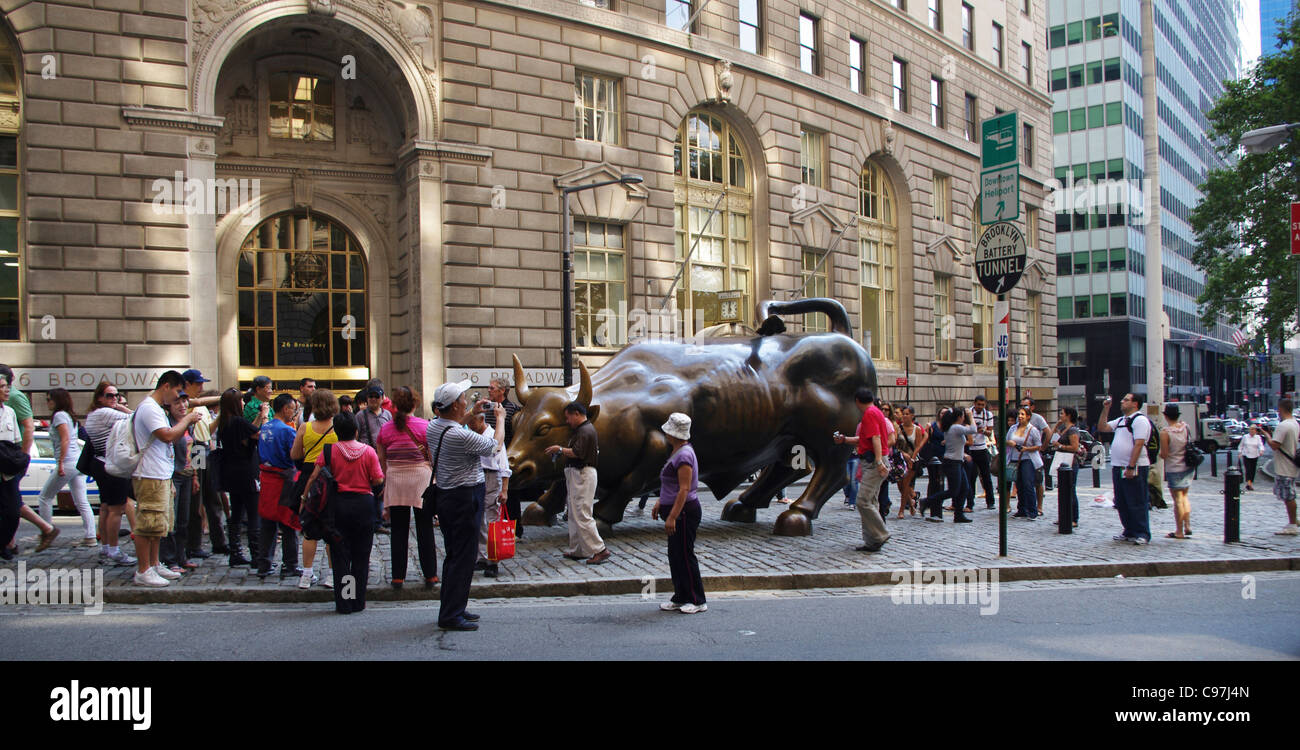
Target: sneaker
column 1139, row 541
column 690, row 609
column 935, row 519
column 307, row 579
column 1288, row 530
column 166, row 573
column 1122, row 538
column 89, row 541
column 150, row 578
column 119, row 558
column 326, row 580
column 670, row 606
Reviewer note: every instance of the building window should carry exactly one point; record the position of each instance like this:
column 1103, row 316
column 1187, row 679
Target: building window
column 812, row 157
column 936, row 15
column 606, row 4
column 943, row 333
column 809, row 59
column 600, row 283
column 997, row 44
column 972, row 118
column 1034, row 330
column 1027, row 63
column 1031, row 226
column 595, row 107
column 301, row 286
column 751, row 25
column 708, row 160
column 1027, row 145
column 967, row 24
column 942, row 196
column 900, row 85
column 11, row 259
column 815, row 284
column 937, row 117
column 301, row 108
column 982, row 328
column 878, row 248
column 678, row 14
column 857, row 65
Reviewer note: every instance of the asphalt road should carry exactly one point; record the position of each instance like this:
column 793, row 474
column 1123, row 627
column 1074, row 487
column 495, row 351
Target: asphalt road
column 1180, row 618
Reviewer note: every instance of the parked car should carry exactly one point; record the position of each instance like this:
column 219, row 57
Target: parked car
column 42, row 466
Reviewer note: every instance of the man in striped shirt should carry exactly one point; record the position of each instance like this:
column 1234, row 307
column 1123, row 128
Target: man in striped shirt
column 456, row 452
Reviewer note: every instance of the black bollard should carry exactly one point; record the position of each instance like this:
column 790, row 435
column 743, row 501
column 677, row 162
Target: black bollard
column 1047, row 479
column 1231, row 505
column 1064, row 508
column 1096, row 477
column 1214, row 462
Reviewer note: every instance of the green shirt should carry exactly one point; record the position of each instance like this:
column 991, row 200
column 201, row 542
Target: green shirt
column 21, row 405
column 253, row 408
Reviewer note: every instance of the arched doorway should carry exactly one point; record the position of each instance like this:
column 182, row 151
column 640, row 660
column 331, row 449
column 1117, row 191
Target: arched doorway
column 878, row 254
column 301, row 283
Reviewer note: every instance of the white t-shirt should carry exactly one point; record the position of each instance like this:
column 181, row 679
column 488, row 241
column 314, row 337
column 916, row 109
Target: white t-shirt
column 1121, row 447
column 74, row 450
column 158, row 461
column 1252, row 446
column 9, row 425
column 983, row 419
column 1287, row 433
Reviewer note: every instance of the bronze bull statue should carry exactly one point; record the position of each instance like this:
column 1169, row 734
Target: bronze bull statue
column 767, row 402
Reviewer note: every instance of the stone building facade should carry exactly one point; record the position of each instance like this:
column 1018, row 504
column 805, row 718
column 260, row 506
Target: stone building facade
column 370, row 188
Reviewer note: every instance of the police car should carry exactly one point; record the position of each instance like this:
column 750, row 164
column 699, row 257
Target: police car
column 44, row 463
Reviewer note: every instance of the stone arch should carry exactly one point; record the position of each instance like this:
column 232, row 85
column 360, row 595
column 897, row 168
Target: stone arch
column 390, row 28
column 375, row 248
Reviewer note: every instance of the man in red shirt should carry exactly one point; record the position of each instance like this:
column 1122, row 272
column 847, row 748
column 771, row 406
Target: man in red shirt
column 870, row 441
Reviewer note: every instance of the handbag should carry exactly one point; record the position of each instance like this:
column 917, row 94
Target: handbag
column 13, row 459
column 501, row 538
column 86, row 462
column 1013, row 472
column 304, row 471
column 430, row 494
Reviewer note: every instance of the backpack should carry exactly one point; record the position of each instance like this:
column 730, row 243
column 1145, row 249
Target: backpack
column 122, row 453
column 1153, row 440
column 316, row 515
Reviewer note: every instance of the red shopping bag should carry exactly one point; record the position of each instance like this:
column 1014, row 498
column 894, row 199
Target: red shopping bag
column 501, row 538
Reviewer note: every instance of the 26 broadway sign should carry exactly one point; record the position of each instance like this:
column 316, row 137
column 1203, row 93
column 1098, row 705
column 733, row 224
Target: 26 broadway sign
column 1000, row 257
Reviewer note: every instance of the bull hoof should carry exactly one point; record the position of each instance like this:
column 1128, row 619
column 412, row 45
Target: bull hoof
column 793, row 522
column 536, row 515
column 738, row 512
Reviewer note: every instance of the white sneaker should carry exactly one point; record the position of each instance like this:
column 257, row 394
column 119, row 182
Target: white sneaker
column 307, row 579
column 1288, row 530
column 119, row 558
column 327, row 579
column 690, row 609
column 165, row 573
column 150, row 578
column 670, row 606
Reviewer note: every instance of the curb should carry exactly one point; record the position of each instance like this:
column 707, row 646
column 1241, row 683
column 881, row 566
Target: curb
column 781, row 581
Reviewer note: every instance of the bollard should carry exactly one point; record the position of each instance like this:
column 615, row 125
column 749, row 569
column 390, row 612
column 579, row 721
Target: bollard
column 1214, row 462
column 1047, row 475
column 1231, row 505
column 1096, row 476
column 1064, row 509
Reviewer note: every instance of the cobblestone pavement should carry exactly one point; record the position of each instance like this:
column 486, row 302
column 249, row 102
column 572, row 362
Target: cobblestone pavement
column 739, row 551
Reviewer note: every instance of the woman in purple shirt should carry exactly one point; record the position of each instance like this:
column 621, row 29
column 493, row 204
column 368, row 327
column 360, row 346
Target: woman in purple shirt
column 679, row 504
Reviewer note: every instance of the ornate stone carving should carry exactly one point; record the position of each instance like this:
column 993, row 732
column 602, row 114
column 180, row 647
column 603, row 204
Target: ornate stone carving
column 722, row 70
column 377, row 205
column 321, row 7
column 302, row 188
column 363, row 129
column 208, row 16
column 890, row 136
column 241, row 115
column 10, row 116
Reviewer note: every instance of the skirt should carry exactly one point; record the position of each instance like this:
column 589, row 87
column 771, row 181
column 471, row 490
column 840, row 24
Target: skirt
column 1178, row 480
column 405, row 482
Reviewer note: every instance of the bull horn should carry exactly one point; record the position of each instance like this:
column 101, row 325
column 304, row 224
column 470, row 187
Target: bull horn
column 521, row 383
column 584, row 389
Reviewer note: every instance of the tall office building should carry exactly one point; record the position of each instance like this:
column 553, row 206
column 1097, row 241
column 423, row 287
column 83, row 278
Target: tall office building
column 1272, row 14
column 1095, row 63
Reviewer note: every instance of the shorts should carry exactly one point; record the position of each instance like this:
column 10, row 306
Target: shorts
column 153, row 512
column 1284, row 489
column 113, row 491
column 1178, row 480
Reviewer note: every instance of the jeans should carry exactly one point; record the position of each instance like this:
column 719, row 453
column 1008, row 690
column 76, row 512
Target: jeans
column 426, row 544
column 982, row 467
column 172, row 551
column 1131, row 502
column 688, row 588
column 1027, row 489
column 883, row 499
column 243, row 509
column 851, row 489
column 266, row 550
column 459, row 511
column 354, row 517
column 208, row 504
column 954, row 473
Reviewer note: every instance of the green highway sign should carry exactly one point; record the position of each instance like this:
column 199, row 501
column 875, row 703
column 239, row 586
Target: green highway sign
column 999, row 141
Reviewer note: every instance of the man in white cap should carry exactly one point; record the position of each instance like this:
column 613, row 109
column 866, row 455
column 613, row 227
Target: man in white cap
column 580, row 484
column 456, row 452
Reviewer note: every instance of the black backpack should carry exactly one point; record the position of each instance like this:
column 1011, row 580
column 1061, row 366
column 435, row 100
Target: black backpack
column 317, row 514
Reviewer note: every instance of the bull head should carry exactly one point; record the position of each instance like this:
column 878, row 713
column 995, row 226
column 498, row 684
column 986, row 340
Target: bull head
column 540, row 423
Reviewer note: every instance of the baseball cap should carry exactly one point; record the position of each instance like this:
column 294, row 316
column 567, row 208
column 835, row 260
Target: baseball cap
column 194, row 376
column 447, row 393
column 375, row 392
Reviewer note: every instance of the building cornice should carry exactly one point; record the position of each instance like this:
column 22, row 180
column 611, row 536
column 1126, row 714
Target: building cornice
column 172, row 119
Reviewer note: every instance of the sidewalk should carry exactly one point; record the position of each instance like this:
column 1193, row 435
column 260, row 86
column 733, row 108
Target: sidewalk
column 747, row 556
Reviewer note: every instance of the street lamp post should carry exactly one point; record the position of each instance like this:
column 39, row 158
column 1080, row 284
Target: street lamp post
column 566, row 244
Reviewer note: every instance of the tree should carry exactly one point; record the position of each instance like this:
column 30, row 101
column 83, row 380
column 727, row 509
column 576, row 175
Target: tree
column 1243, row 219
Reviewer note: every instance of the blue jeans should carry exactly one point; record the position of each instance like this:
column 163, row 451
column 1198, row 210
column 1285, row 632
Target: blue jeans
column 1131, row 502
column 851, row 489
column 1027, row 489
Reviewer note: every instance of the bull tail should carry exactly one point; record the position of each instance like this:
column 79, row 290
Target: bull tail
column 769, row 311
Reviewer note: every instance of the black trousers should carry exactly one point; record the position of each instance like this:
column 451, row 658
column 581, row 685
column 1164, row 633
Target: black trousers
column 426, row 544
column 354, row 517
column 460, row 510
column 172, row 549
column 208, row 503
column 243, row 510
column 955, row 478
column 688, row 587
column 10, row 505
column 1250, row 463
column 288, row 545
column 981, row 465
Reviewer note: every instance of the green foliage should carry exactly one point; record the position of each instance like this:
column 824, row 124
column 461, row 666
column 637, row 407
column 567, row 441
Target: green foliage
column 1248, row 204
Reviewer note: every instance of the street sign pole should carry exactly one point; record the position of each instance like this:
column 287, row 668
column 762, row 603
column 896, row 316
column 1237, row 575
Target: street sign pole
column 1001, row 345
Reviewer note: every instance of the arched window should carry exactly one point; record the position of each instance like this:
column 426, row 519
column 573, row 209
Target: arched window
column 710, row 168
column 302, row 300
column 878, row 247
column 11, row 259
column 981, row 311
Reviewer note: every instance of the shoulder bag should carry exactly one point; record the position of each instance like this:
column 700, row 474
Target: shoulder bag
column 431, row 492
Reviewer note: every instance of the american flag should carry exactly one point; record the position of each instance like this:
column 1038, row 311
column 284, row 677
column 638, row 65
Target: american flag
column 1238, row 338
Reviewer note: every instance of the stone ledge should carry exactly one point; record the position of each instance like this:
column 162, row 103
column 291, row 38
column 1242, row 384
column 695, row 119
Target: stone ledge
column 172, row 119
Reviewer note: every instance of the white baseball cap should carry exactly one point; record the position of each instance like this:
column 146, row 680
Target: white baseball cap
column 447, row 393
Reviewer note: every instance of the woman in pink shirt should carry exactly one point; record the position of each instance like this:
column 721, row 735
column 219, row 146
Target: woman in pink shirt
column 404, row 457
